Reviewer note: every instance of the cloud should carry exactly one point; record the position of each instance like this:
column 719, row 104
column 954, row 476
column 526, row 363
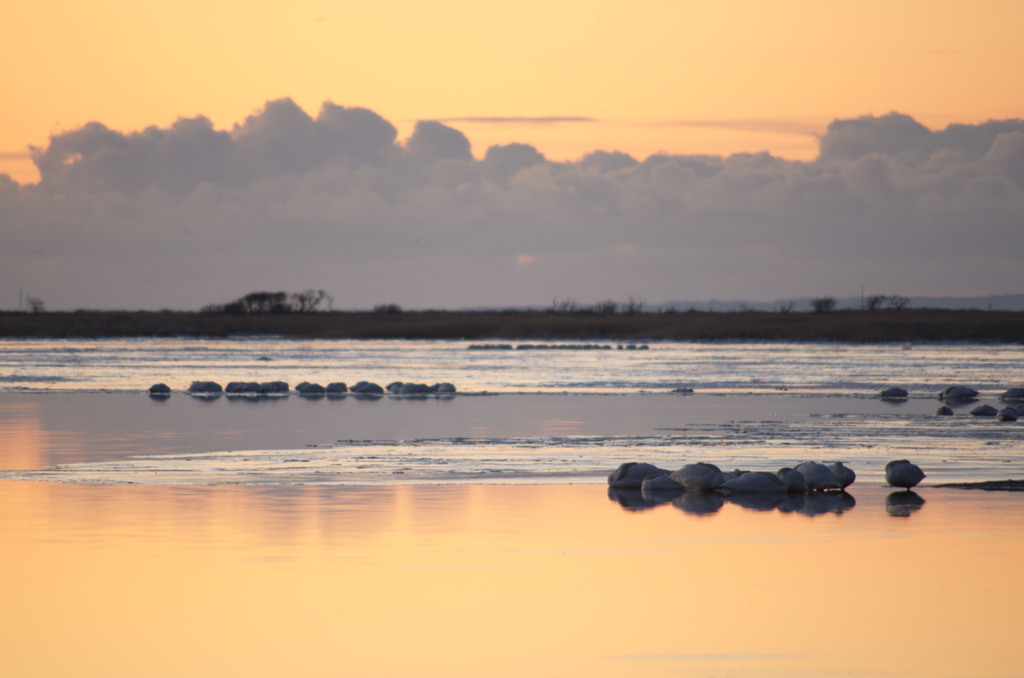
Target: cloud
column 279, row 140
column 189, row 215
column 501, row 163
column 604, row 162
column 1007, row 155
column 889, row 134
column 896, row 133
column 432, row 140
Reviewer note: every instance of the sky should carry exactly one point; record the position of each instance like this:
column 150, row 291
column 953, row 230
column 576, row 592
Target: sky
column 465, row 154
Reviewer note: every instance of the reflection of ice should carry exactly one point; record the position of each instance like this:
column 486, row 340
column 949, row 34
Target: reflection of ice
column 902, row 504
column 699, row 503
column 758, row 501
column 631, row 498
column 661, row 496
column 817, row 503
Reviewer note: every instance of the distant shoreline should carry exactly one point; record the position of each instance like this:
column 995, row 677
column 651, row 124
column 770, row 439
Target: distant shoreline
column 883, row 326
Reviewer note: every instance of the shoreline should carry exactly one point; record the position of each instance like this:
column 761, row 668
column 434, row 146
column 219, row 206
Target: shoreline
column 883, row 326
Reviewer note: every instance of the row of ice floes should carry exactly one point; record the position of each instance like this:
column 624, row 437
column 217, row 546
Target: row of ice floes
column 308, row 389
column 1013, row 399
column 810, row 476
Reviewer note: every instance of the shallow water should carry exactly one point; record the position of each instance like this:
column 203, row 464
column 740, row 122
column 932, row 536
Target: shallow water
column 822, row 369
column 476, row 535
column 500, row 580
column 551, row 415
column 132, row 439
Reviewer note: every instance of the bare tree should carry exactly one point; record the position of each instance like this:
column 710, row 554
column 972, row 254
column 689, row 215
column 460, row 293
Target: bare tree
column 309, row 301
column 899, row 302
column 261, row 302
column 35, row 304
column 567, row 305
column 634, row 305
column 823, row 304
column 874, row 302
column 605, row 307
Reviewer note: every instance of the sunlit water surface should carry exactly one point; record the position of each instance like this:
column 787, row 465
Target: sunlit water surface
column 475, row 535
column 540, row 415
column 497, row 580
column 711, row 367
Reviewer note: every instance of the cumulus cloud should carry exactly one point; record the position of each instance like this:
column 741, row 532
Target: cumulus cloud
column 189, row 215
column 501, row 163
column 895, row 134
column 890, row 134
column 432, row 140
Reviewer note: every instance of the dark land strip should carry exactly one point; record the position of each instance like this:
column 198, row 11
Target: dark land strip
column 908, row 325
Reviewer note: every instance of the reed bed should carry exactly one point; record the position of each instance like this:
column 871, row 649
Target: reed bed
column 908, row 325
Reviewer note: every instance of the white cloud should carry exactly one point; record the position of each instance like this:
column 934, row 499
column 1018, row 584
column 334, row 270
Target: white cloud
column 189, row 215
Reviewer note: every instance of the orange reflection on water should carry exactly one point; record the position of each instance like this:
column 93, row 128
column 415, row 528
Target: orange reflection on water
column 499, row 580
column 22, row 442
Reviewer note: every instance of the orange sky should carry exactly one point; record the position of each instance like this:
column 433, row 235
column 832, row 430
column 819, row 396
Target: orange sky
column 680, row 77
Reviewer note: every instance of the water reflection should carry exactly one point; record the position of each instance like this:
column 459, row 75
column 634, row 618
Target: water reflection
column 662, row 496
column 251, row 398
column 818, row 503
column 633, row 499
column 699, row 503
column 124, row 577
column 901, row 504
column 705, row 503
column 758, row 501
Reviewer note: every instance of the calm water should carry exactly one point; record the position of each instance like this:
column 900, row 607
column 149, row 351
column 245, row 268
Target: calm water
column 475, row 536
column 495, row 580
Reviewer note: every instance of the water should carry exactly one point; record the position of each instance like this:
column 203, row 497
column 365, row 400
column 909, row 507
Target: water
column 533, row 416
column 313, row 537
column 820, row 369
